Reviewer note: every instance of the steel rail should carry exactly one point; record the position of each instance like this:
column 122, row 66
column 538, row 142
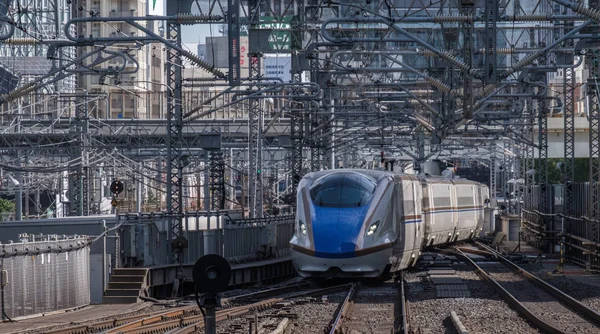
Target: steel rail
column 335, row 326
column 192, row 326
column 509, row 298
column 143, row 319
column 181, row 313
column 403, row 307
column 106, row 324
column 564, row 298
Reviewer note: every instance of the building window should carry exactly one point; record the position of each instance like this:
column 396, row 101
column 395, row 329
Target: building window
column 116, row 102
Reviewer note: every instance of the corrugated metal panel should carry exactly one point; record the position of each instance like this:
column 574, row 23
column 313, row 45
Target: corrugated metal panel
column 46, row 282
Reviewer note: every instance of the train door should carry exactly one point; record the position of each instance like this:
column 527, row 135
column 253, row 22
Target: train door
column 454, row 209
column 425, row 209
column 397, row 210
column 420, row 224
column 480, row 211
column 477, row 205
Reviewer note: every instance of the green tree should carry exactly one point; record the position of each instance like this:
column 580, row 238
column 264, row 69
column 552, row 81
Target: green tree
column 580, row 168
column 6, row 205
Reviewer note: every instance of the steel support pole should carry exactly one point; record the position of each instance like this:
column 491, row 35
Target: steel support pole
column 206, row 185
column 493, row 167
column 254, row 143
column 174, row 133
column 491, row 19
column 297, row 115
column 138, row 189
column 467, row 27
column 592, row 62
column 78, row 190
column 543, row 157
column 332, row 109
column 529, row 162
column 254, row 121
column 104, row 278
column 568, row 172
column 217, row 180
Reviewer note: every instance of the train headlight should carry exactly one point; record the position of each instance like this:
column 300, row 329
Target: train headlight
column 373, row 228
column 302, row 227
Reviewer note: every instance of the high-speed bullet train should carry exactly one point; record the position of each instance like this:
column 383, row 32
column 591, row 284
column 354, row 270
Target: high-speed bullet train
column 365, row 223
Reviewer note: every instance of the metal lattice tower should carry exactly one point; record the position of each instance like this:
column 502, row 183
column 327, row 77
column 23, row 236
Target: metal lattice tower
column 297, row 114
column 217, row 180
column 467, row 8
column 174, row 132
column 493, row 185
column 528, row 152
column 569, row 138
column 254, row 122
column 569, row 122
column 78, row 178
column 544, row 206
column 35, row 21
column 592, row 63
column 490, row 17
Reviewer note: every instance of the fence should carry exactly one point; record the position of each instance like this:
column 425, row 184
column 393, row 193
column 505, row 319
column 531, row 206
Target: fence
column 257, row 239
column 579, row 231
column 44, row 276
column 144, row 237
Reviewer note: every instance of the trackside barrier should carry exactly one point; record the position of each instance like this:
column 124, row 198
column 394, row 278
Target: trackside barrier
column 143, row 238
column 575, row 236
column 46, row 275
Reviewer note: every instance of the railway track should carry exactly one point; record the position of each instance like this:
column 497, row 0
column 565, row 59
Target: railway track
column 548, row 308
column 401, row 325
column 147, row 319
column 335, row 327
column 367, row 309
column 192, row 323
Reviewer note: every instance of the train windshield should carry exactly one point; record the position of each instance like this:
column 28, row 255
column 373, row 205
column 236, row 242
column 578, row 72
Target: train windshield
column 342, row 190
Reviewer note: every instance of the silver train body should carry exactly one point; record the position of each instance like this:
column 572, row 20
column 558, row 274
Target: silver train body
column 363, row 223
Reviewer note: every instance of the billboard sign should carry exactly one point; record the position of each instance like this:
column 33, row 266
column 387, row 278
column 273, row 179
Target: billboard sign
column 281, row 35
column 278, row 66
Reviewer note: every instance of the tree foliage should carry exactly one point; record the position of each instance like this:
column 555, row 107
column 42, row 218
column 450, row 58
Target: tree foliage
column 581, row 170
column 6, row 205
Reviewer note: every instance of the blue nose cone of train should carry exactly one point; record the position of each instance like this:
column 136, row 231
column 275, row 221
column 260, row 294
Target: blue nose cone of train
column 336, row 230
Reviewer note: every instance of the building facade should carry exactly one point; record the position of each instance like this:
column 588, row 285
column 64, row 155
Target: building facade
column 139, row 91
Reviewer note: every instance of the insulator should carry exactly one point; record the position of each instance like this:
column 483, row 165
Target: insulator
column 528, row 18
column 193, row 19
column 449, row 57
column 452, row 59
column 427, row 53
column 454, row 18
column 439, row 85
column 504, row 51
column 210, row 68
column 589, row 12
column 21, row 41
column 489, row 89
column 30, row 87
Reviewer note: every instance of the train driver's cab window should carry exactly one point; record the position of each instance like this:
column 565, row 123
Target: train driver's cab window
column 342, row 190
